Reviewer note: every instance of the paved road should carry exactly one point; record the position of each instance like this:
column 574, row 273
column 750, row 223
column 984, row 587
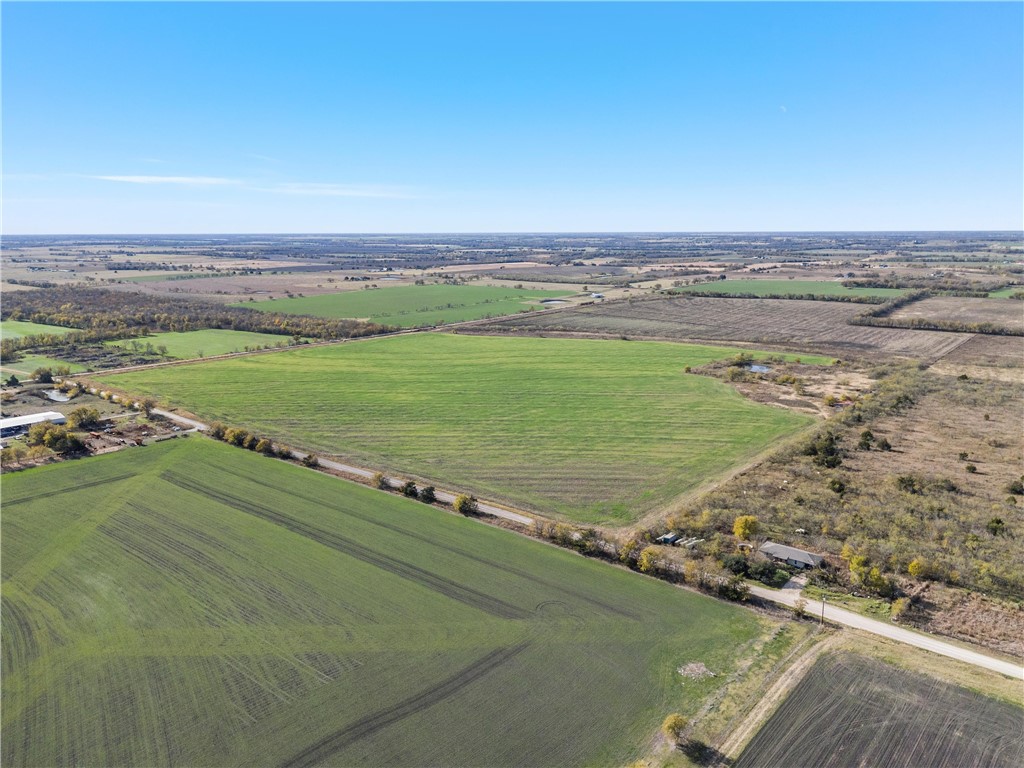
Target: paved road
column 444, row 496
column 885, row 629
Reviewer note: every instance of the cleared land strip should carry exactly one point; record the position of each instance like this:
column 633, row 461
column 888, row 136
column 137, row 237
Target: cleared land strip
column 848, row 618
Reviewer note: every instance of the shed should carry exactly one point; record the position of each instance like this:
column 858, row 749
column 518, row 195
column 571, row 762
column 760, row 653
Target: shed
column 791, row 555
column 16, row 424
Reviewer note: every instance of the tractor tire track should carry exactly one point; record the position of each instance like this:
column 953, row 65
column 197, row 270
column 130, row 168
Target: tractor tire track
column 520, row 572
column 72, row 489
column 376, row 721
column 400, row 568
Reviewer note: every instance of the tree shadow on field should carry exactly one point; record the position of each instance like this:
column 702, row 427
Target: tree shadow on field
column 704, row 754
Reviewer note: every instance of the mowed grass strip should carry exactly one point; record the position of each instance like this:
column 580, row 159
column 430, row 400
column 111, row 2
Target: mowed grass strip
column 206, row 343
column 598, row 431
column 189, row 603
column 16, row 329
column 787, row 287
column 409, row 306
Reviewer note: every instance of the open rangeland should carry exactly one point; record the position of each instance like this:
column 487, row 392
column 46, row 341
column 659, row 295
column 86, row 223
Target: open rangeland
column 597, row 431
column 851, row 710
column 206, row 343
column 968, row 311
column 189, row 603
column 415, row 305
column 788, row 287
column 788, row 323
column 16, row 329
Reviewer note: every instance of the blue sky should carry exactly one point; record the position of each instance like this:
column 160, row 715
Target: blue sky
column 198, row 117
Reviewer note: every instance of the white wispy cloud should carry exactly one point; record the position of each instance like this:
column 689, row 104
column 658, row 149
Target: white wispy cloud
column 337, row 190
column 196, row 181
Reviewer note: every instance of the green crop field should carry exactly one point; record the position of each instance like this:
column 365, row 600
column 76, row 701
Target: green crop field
column 787, row 287
column 206, row 343
column 413, row 305
column 194, row 604
column 15, row 329
column 27, row 363
column 599, row 431
column 1005, row 293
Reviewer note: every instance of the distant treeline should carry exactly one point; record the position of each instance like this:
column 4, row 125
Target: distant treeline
column 951, row 286
column 118, row 313
column 850, row 299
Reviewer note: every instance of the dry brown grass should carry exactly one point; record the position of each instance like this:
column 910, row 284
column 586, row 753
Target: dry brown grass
column 1005, row 313
column 818, row 326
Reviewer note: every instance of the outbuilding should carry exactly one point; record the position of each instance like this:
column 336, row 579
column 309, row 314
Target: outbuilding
column 16, row 424
column 798, row 558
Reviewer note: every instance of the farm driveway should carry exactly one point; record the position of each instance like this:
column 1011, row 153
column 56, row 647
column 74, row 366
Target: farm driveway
column 920, row 640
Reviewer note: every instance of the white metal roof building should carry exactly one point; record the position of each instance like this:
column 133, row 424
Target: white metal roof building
column 19, row 423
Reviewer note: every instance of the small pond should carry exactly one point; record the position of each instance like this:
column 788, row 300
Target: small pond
column 56, row 395
column 760, row 368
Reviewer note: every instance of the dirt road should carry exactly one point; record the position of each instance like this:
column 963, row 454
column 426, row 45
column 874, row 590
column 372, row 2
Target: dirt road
column 444, row 496
column 885, row 629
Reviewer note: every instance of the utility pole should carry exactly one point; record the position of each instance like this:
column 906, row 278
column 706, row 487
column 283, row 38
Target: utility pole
column 822, row 610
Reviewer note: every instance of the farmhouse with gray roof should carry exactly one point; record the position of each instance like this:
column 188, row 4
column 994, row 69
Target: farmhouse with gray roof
column 791, row 555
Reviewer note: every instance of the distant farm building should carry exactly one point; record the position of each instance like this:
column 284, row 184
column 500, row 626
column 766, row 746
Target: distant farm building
column 791, row 555
column 18, row 424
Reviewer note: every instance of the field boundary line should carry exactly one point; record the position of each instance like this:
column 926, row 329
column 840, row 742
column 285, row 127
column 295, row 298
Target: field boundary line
column 773, row 696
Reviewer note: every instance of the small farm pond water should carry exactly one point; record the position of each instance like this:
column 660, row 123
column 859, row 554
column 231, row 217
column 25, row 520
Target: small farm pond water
column 760, row 368
column 56, row 395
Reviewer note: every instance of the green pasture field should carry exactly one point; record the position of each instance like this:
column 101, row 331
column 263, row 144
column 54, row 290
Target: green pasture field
column 597, row 431
column 189, row 603
column 1005, row 293
column 206, row 343
column 792, row 287
column 409, row 306
column 16, row 329
column 28, row 363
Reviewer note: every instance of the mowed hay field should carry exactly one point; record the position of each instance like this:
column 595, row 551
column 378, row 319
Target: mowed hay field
column 214, row 341
column 791, row 323
column 189, row 603
column 790, row 287
column 408, row 306
column 16, row 329
column 598, row 431
column 852, row 711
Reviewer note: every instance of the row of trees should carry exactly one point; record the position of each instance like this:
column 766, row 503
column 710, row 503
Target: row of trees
column 132, row 313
